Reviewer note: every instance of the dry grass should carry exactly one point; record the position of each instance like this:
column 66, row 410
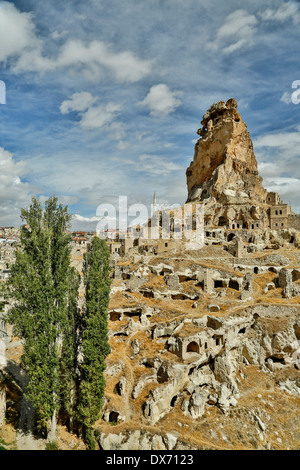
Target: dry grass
column 259, row 391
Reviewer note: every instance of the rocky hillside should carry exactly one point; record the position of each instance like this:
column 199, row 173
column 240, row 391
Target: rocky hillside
column 205, row 344
column 204, row 348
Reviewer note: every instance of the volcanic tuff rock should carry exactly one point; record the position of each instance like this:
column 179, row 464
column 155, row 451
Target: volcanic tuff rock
column 224, row 169
column 224, row 164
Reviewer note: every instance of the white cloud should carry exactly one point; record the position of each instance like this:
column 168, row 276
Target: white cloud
column 288, row 188
column 95, row 117
column 238, row 23
column 288, row 10
column 64, row 200
column 97, row 55
column 99, row 117
column 279, row 154
column 153, row 165
column 161, row 101
column 20, row 42
column 287, row 142
column 84, row 223
column 78, row 102
column 59, row 34
column 14, row 194
column 92, row 60
column 80, row 218
column 157, row 165
column 16, row 31
column 238, row 30
column 267, row 169
column 10, row 171
column 280, row 166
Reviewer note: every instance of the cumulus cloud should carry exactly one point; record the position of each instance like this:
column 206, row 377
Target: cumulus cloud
column 161, row 101
column 288, row 188
column 78, row 102
column 267, row 169
column 84, row 223
column 94, row 116
column 20, row 42
column 64, row 200
column 14, row 193
column 99, row 117
column 93, row 60
column 287, row 143
column 279, row 164
column 16, row 31
column 80, row 218
column 99, row 56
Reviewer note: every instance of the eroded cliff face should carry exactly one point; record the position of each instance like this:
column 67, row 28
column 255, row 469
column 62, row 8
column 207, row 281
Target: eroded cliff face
column 224, row 170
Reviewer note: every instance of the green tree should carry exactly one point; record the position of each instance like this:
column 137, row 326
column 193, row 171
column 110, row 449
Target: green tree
column 94, row 334
column 43, row 287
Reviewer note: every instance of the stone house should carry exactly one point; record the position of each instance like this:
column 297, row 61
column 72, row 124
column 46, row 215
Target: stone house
column 197, row 344
column 279, row 216
column 278, row 212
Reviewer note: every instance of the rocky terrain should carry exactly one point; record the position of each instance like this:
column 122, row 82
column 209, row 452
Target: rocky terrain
column 197, row 368
column 205, row 344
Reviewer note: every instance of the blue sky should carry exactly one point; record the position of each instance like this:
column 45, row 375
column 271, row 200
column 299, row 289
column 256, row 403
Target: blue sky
column 104, row 97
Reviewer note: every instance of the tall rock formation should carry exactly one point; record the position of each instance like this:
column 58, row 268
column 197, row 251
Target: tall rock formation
column 224, row 172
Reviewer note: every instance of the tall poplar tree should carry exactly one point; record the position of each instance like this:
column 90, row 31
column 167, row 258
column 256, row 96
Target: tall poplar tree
column 94, row 333
column 43, row 287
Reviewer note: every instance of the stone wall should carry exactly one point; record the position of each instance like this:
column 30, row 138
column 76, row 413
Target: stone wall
column 294, row 221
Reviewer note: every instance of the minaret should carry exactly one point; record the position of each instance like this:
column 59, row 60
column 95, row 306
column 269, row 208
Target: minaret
column 154, row 206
